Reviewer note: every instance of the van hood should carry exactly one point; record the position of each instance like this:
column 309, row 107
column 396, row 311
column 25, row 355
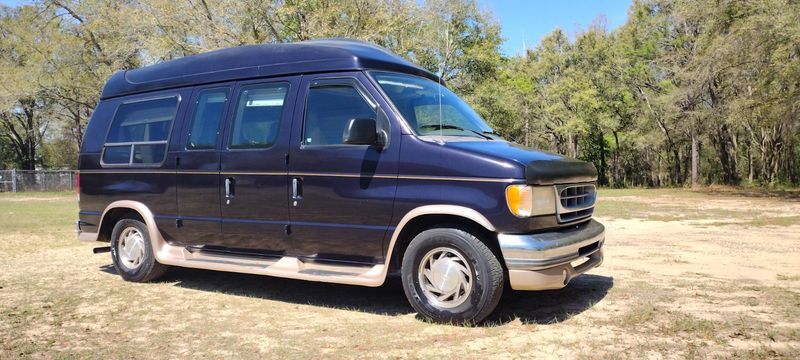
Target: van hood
column 539, row 167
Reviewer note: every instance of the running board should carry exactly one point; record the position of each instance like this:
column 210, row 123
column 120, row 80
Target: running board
column 285, row 267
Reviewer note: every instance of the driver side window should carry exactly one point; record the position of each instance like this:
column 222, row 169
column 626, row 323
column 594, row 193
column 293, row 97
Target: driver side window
column 328, row 109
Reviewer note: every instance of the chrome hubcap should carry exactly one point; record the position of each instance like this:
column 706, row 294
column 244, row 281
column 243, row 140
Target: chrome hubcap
column 130, row 248
column 445, row 277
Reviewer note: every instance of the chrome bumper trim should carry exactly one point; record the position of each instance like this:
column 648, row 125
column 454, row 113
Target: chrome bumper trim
column 543, row 261
column 543, row 250
column 552, row 278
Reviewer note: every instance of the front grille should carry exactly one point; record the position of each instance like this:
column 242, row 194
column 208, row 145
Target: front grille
column 575, row 202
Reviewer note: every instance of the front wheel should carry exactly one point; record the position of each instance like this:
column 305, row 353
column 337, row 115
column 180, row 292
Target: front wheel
column 449, row 275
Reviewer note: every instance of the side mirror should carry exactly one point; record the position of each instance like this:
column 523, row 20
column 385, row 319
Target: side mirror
column 360, row 132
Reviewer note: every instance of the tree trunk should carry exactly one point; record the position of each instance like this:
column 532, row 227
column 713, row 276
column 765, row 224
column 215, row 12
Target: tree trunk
column 22, row 130
column 78, row 128
column 527, row 127
column 695, row 158
column 734, row 137
column 676, row 170
column 615, row 178
column 602, row 178
column 750, row 163
column 724, row 145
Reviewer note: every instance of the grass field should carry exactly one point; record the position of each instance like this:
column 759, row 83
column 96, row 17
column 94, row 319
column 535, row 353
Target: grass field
column 712, row 273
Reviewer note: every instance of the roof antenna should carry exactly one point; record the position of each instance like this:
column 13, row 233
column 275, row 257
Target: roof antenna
column 441, row 125
column 524, row 46
column 441, row 74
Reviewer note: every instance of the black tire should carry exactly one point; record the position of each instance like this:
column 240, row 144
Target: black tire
column 486, row 283
column 148, row 268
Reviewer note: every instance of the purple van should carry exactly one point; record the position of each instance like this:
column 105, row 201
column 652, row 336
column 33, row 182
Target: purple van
column 333, row 161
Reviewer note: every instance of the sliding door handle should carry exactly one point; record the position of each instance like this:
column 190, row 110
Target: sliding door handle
column 230, row 190
column 297, row 189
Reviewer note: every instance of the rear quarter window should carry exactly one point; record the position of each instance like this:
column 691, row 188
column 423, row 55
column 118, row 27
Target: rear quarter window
column 139, row 132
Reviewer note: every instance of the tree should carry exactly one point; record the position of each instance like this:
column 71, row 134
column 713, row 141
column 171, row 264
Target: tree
column 21, row 103
column 686, row 91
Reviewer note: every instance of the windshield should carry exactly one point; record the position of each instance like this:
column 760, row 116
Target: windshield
column 418, row 100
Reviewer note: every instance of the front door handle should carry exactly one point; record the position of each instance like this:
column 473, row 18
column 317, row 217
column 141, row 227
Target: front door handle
column 297, row 190
column 230, row 190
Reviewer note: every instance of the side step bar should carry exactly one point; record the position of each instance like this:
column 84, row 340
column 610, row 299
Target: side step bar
column 285, row 266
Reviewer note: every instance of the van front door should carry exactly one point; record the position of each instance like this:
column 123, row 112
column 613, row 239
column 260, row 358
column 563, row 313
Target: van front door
column 342, row 195
column 253, row 181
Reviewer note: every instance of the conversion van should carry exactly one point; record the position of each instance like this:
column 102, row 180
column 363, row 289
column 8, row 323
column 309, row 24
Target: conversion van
column 333, row 161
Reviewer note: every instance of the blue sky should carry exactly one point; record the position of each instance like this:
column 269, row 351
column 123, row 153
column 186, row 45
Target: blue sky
column 527, row 21
column 13, row 2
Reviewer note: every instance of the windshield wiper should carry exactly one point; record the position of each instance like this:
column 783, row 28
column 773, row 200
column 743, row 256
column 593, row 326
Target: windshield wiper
column 492, row 133
column 454, row 127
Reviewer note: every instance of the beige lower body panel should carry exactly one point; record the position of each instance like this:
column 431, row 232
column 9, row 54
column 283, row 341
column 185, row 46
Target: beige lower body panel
column 87, row 236
column 553, row 278
column 285, row 267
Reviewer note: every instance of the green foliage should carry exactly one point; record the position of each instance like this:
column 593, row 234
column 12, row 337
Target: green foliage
column 57, row 54
column 684, row 91
column 720, row 77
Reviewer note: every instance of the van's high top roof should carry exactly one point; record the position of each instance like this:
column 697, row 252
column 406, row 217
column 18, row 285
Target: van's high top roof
column 253, row 61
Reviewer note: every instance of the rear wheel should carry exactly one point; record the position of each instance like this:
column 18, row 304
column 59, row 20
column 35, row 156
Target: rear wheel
column 449, row 275
column 132, row 252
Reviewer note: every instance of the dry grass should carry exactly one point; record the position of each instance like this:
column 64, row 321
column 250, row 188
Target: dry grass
column 687, row 274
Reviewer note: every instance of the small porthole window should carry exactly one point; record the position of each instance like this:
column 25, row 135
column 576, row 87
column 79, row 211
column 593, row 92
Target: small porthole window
column 139, row 132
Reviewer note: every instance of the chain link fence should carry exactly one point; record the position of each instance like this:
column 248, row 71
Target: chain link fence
column 36, row 180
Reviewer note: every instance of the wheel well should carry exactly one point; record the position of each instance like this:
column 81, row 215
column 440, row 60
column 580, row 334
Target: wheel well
column 425, row 222
column 111, row 218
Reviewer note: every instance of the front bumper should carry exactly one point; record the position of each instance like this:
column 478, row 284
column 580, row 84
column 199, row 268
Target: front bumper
column 543, row 261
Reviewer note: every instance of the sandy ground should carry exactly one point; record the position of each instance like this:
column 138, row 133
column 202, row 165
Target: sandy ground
column 720, row 285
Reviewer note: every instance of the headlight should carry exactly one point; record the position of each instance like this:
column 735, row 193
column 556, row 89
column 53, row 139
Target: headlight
column 520, row 200
column 526, row 201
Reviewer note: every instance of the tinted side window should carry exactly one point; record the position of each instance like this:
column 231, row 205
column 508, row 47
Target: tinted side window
column 328, row 109
column 139, row 132
column 208, row 113
column 258, row 116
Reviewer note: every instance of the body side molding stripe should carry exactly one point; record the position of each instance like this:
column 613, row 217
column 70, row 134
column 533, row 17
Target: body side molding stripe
column 353, row 175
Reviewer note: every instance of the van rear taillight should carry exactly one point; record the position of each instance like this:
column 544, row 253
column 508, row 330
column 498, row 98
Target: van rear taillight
column 78, row 184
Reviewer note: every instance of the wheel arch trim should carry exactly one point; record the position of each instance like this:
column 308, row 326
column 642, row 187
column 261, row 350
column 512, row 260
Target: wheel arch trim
column 454, row 210
column 156, row 240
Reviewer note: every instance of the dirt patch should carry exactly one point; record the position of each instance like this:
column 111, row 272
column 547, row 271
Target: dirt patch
column 698, row 209
column 672, row 288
